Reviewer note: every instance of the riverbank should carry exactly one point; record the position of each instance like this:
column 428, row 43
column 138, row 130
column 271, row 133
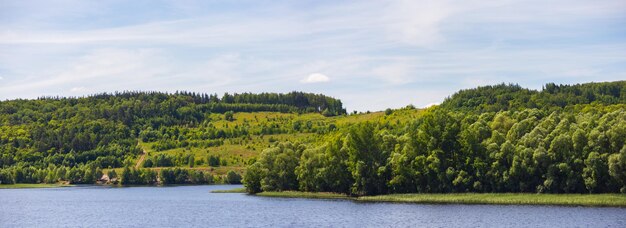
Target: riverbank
column 310, row 195
column 58, row 185
column 13, row 186
column 591, row 200
column 587, row 200
column 234, row 190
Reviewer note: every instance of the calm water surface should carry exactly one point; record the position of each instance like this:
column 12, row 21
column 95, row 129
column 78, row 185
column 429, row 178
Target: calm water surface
column 195, row 206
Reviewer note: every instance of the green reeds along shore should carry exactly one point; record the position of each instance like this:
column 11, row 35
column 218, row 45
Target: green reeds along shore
column 313, row 195
column 591, row 200
column 12, row 186
column 597, row 200
column 234, row 190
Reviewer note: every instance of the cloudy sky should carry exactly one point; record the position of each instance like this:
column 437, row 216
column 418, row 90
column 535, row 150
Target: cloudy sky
column 370, row 54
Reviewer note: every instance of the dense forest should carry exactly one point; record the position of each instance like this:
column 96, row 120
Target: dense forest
column 503, row 138
column 77, row 139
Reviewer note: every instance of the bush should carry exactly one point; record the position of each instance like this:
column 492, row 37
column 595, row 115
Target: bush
column 233, row 178
column 229, row 116
column 213, row 161
column 388, row 112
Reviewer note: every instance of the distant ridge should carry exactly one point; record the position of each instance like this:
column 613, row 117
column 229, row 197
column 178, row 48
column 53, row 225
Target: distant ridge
column 238, row 102
column 514, row 97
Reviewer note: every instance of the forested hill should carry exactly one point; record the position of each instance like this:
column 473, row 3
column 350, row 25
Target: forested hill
column 499, row 138
column 514, row 97
column 47, row 139
column 502, row 138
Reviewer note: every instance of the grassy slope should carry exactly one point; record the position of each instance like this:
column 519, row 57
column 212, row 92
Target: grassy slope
column 239, row 151
column 11, row 186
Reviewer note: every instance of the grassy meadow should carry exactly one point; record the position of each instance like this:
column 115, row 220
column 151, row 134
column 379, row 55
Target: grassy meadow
column 242, row 151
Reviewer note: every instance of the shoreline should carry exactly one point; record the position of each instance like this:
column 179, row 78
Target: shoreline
column 571, row 200
column 234, row 190
column 23, row 186
column 41, row 185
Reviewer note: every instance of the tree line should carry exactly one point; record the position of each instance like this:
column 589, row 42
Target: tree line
column 514, row 97
column 577, row 148
column 169, row 176
column 89, row 174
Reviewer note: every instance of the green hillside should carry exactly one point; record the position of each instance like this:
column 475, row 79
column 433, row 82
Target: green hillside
column 77, row 139
column 503, row 138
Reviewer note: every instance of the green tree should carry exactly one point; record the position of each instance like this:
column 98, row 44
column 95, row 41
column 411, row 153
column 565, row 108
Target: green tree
column 190, row 161
column 367, row 161
column 310, row 171
column 252, row 178
column 617, row 168
column 596, row 172
column 148, row 163
column 112, row 174
column 388, row 111
column 233, row 178
column 127, row 177
column 6, row 177
column 229, row 116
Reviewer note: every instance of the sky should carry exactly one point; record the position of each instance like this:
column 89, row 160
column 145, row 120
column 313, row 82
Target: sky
column 370, row 54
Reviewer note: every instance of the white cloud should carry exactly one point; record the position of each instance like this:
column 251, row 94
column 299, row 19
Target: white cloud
column 389, row 50
column 394, row 73
column 207, row 75
column 416, row 23
column 102, row 69
column 430, row 104
column 315, row 78
column 80, row 89
column 388, row 97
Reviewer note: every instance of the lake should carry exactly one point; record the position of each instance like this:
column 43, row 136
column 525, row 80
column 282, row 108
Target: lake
column 195, row 206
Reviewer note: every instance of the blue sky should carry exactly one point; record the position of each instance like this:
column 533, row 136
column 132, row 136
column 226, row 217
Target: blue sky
column 370, row 54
